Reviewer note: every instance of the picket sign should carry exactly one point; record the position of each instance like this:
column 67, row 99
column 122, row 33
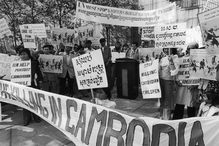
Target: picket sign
column 90, row 70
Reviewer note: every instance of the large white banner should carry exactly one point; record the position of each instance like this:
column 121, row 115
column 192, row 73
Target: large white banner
column 51, row 63
column 4, row 29
column 149, row 79
column 169, row 36
column 90, row 70
column 21, row 72
column 5, row 65
column 184, row 72
column 88, row 124
column 125, row 17
column 210, row 29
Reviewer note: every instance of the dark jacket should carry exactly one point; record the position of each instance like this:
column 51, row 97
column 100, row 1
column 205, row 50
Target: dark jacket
column 35, row 70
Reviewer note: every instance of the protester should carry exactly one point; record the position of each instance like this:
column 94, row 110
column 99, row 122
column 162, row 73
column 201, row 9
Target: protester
column 133, row 52
column 35, row 71
column 186, row 95
column 118, row 49
column 167, row 72
column 67, row 74
column 107, row 61
column 88, row 46
column 50, row 82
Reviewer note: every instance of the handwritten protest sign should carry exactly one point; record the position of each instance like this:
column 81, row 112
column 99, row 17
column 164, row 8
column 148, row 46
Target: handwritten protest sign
column 5, row 65
column 148, row 33
column 4, row 29
column 51, row 63
column 88, row 124
column 21, row 72
column 125, row 17
column 184, row 72
column 28, row 37
column 150, row 85
column 90, row 70
column 169, row 36
column 210, row 29
column 204, row 65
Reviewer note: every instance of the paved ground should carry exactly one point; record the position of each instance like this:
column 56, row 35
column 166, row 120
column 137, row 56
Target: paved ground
column 12, row 133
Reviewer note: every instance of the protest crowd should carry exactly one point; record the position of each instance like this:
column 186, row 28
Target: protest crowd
column 182, row 75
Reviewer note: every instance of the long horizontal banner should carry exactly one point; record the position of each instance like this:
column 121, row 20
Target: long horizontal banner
column 125, row 17
column 87, row 124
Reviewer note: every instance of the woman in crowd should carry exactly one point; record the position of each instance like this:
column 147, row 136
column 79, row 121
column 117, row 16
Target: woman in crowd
column 167, row 72
column 35, row 82
column 186, row 95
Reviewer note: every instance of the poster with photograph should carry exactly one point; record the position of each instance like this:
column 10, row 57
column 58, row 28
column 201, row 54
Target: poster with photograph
column 209, row 22
column 63, row 35
column 51, row 63
column 204, row 65
column 147, row 54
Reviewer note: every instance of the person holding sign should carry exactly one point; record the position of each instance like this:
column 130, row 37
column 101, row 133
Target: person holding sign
column 186, row 95
column 35, row 83
column 50, row 82
column 67, row 74
column 167, row 72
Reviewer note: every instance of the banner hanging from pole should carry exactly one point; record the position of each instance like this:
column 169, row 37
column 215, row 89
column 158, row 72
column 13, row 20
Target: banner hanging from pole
column 125, row 17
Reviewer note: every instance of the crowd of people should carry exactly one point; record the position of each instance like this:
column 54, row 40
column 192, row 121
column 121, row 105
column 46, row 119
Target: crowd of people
column 175, row 96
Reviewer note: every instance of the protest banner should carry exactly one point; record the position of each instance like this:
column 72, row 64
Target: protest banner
column 21, row 72
column 51, row 63
column 63, row 35
column 210, row 29
column 184, row 72
column 170, row 36
column 28, row 37
column 4, row 29
column 117, row 55
column 125, row 17
column 89, row 124
column 148, row 33
column 90, row 70
column 149, row 79
column 5, row 65
column 204, row 65
column 147, row 54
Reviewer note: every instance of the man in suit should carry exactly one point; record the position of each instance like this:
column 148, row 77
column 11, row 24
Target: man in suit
column 67, row 74
column 107, row 61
